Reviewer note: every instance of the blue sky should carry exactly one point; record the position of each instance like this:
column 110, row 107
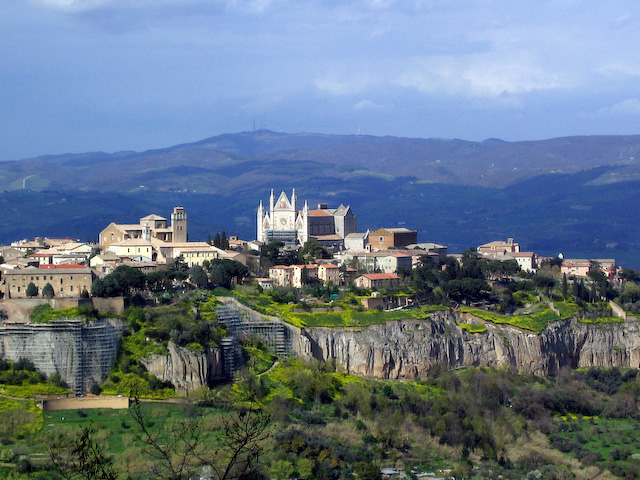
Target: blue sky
column 110, row 75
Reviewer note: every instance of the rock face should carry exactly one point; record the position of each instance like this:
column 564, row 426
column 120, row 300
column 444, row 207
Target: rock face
column 81, row 353
column 185, row 369
column 410, row 349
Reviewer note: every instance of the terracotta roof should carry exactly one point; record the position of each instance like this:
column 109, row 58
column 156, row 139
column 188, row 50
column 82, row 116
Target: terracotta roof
column 381, row 276
column 320, row 213
column 328, row 265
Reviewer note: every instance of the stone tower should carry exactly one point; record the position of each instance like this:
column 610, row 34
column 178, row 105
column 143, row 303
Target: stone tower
column 179, row 225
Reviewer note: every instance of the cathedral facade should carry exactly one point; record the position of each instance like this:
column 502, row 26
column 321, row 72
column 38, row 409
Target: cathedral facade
column 284, row 222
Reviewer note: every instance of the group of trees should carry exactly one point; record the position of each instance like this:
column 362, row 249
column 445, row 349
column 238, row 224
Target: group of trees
column 126, row 281
column 47, row 290
column 276, row 253
column 219, row 241
column 452, row 280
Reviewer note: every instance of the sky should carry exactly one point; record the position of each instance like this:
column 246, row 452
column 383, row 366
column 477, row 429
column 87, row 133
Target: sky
column 113, row 75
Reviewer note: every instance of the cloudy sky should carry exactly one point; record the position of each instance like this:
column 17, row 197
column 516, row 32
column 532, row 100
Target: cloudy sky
column 110, row 75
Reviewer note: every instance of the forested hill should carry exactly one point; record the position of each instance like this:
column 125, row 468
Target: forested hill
column 565, row 195
column 227, row 162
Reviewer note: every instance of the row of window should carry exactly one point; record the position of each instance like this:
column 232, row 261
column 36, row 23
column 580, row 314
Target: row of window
column 61, row 288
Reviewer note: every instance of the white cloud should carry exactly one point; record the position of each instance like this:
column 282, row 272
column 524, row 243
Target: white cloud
column 365, row 105
column 339, row 86
column 72, row 6
column 630, row 106
column 480, row 76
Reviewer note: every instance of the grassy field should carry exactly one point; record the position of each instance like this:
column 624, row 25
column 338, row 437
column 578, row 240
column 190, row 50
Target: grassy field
column 343, row 315
column 602, row 439
column 534, row 322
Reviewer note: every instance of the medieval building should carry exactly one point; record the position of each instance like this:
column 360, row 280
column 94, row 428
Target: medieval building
column 284, row 222
column 151, row 226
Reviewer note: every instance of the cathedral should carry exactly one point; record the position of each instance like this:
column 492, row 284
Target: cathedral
column 284, row 222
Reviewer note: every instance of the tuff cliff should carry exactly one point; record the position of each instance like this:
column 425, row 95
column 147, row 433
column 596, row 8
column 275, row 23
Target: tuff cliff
column 186, row 369
column 81, row 352
column 410, row 349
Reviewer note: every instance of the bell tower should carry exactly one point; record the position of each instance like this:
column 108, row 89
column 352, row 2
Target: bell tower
column 179, row 225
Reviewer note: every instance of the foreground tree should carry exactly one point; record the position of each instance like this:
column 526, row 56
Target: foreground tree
column 81, row 457
column 227, row 448
column 178, row 446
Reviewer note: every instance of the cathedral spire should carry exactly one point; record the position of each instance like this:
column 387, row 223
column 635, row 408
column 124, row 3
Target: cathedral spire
column 294, row 200
column 272, row 202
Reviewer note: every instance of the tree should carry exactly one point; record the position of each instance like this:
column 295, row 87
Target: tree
column 81, row 457
column 177, row 447
column 97, row 288
column 219, row 276
column 565, row 286
column 32, row 290
column 224, row 242
column 312, row 250
column 198, row 276
column 47, row 291
column 544, row 283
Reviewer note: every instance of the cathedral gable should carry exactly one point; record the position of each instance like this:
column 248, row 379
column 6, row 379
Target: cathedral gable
column 283, row 202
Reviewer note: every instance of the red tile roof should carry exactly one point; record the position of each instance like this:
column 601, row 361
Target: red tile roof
column 381, row 276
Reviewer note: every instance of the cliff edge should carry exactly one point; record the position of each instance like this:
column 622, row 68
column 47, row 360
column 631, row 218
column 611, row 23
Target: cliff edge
column 411, row 349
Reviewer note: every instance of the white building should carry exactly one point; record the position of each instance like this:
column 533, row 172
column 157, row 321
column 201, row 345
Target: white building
column 284, row 222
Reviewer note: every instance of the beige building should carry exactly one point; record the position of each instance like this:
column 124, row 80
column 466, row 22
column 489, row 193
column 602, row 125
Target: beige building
column 134, row 248
column 66, row 282
column 281, row 275
column 498, row 249
column 328, row 272
column 579, row 267
column 151, row 226
column 292, row 275
column 377, row 280
column 195, row 253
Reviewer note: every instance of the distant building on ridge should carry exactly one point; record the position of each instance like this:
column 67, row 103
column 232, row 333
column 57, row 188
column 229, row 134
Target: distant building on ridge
column 283, row 221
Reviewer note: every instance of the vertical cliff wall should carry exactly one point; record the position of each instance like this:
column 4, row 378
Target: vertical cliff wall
column 411, row 349
column 185, row 369
column 81, row 353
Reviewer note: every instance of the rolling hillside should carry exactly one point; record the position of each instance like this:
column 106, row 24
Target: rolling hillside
column 566, row 194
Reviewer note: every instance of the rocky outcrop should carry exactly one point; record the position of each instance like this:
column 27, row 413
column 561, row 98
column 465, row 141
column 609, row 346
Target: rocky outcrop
column 185, row 369
column 81, row 352
column 410, row 349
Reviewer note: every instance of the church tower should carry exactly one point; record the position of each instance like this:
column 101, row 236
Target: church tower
column 179, row 225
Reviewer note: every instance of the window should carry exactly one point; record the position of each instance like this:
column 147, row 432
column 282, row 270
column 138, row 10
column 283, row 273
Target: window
column 71, row 288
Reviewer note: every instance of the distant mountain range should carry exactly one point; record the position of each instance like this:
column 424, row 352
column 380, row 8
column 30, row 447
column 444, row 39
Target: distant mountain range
column 577, row 195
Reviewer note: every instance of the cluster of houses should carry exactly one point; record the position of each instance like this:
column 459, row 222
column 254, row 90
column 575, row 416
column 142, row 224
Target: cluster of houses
column 373, row 259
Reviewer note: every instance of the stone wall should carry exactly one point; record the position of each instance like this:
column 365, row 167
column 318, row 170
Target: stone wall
column 85, row 402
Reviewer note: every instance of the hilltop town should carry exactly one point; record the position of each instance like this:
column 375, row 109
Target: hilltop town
column 296, row 246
